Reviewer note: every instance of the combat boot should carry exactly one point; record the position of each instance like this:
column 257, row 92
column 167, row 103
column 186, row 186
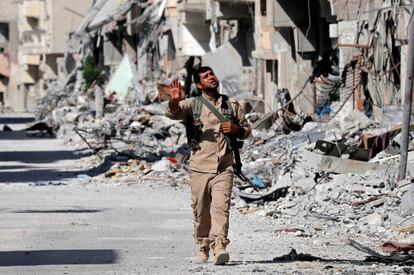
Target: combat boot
column 203, row 249
column 221, row 256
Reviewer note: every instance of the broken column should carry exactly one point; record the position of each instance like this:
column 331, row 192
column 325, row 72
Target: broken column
column 99, row 102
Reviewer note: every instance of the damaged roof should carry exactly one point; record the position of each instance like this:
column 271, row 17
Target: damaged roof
column 103, row 12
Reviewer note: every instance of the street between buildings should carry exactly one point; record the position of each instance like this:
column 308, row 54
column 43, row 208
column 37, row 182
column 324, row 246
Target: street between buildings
column 55, row 222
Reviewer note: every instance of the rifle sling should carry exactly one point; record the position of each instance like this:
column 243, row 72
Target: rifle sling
column 230, row 140
column 213, row 109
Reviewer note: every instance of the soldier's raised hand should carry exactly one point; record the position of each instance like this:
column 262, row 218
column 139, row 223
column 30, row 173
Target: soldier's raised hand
column 175, row 91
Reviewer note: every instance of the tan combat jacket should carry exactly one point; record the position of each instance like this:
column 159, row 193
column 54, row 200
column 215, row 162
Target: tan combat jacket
column 214, row 155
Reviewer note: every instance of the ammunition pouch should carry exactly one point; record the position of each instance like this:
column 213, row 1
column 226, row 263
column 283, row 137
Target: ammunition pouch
column 193, row 132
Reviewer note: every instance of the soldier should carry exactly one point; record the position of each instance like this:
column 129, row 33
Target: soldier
column 211, row 137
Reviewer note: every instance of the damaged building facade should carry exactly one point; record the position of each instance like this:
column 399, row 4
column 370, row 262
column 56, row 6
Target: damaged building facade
column 8, row 54
column 264, row 52
column 44, row 27
column 267, row 52
column 332, row 51
column 325, row 52
column 330, row 60
column 335, row 59
column 288, row 67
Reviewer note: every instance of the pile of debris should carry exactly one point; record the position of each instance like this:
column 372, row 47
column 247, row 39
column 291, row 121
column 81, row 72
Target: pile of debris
column 339, row 175
column 133, row 171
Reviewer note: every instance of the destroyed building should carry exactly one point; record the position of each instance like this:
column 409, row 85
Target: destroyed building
column 291, row 66
column 262, row 49
column 264, row 52
column 288, row 67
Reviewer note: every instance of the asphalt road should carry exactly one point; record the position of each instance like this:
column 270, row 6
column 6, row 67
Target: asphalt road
column 27, row 157
column 52, row 222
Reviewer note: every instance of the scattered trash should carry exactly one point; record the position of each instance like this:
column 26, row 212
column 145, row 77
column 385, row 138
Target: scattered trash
column 377, row 257
column 289, row 230
column 293, row 256
column 258, row 181
column 172, row 160
column 394, row 247
column 47, row 183
column 271, row 195
column 163, row 166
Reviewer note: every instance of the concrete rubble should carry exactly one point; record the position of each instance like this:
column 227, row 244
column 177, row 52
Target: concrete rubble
column 334, row 191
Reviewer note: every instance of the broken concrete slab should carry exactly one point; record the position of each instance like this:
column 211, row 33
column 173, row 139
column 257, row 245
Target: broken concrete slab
column 374, row 219
column 122, row 80
column 407, row 203
column 265, row 122
column 330, row 164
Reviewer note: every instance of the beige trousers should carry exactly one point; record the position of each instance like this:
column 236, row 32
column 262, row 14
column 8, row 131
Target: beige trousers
column 210, row 196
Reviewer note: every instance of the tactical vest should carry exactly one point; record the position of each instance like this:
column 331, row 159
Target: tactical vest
column 194, row 125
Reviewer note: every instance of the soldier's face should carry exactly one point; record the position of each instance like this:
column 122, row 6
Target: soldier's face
column 208, row 81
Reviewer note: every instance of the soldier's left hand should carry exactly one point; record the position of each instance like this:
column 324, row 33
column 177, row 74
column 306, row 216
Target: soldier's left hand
column 230, row 128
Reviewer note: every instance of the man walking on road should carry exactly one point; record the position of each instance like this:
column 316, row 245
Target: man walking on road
column 211, row 160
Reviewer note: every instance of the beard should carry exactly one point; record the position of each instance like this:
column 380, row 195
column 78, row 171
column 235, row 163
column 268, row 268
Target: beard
column 211, row 90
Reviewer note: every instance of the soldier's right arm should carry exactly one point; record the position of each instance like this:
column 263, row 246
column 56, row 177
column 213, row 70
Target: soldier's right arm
column 177, row 109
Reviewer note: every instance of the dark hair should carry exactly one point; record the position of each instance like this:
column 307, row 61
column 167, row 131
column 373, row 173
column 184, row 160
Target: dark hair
column 202, row 69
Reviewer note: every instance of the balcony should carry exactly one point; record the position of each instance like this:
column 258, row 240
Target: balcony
column 32, row 9
column 29, row 75
column 287, row 13
column 198, row 6
column 31, row 59
column 229, row 10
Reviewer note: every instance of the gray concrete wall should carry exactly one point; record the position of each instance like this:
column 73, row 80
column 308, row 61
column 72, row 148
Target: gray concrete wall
column 15, row 98
column 8, row 10
column 9, row 14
